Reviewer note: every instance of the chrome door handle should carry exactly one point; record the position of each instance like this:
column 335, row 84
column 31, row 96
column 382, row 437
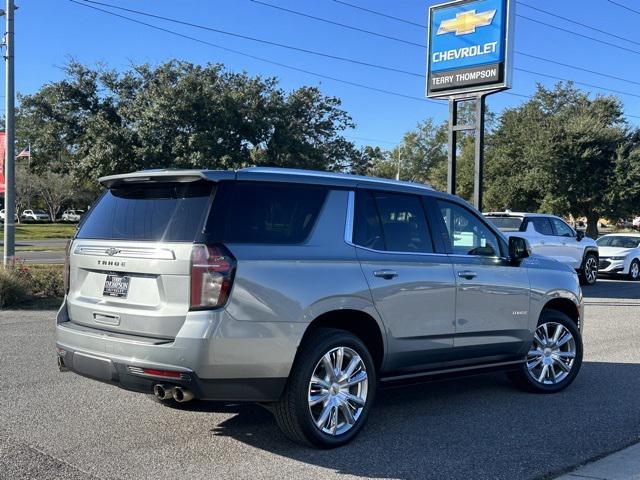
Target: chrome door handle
column 386, row 274
column 468, row 274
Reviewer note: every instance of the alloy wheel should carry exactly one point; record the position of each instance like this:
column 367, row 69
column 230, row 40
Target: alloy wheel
column 591, row 269
column 552, row 356
column 338, row 391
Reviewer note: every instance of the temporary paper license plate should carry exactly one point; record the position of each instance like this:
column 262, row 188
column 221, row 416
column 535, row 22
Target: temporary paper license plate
column 116, row 286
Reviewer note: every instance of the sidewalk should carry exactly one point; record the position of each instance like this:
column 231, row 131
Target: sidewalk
column 622, row 465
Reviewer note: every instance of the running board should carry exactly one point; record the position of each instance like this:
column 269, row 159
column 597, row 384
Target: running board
column 466, row 368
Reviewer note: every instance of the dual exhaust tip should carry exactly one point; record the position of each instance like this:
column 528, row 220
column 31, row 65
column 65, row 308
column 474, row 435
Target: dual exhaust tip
column 168, row 392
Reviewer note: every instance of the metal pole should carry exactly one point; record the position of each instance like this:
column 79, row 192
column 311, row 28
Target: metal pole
column 9, row 165
column 451, row 155
column 398, row 172
column 478, row 170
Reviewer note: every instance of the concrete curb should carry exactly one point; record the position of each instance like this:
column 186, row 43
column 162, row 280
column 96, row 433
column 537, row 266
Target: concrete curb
column 622, row 465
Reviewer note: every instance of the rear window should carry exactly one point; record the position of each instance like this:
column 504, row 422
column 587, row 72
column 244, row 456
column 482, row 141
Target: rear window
column 162, row 212
column 506, row 224
column 265, row 213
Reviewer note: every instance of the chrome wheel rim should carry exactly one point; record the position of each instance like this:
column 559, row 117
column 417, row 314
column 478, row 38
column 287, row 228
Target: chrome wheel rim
column 635, row 270
column 591, row 269
column 552, row 355
column 338, row 391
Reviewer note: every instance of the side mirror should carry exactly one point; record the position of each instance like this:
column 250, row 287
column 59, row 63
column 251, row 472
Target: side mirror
column 519, row 248
column 579, row 235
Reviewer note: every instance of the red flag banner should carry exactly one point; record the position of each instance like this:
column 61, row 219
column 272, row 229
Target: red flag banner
column 2, row 156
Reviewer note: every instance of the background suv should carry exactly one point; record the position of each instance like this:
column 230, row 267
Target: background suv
column 303, row 291
column 552, row 237
column 35, row 216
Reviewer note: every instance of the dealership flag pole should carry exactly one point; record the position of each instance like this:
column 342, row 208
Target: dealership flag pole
column 9, row 163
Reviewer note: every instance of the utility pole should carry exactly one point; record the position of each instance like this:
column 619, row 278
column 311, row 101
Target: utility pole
column 399, row 162
column 9, row 162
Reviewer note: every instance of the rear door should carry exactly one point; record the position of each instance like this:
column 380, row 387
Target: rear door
column 492, row 301
column 413, row 287
column 130, row 261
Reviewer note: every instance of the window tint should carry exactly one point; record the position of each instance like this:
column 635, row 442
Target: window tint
column 170, row 212
column 542, row 225
column 403, row 223
column 506, row 224
column 268, row 213
column 392, row 222
column 468, row 235
column 562, row 229
column 367, row 228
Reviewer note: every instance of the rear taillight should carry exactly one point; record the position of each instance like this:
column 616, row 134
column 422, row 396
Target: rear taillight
column 212, row 269
column 67, row 267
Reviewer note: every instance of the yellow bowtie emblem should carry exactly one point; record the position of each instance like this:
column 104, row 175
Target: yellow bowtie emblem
column 466, row 22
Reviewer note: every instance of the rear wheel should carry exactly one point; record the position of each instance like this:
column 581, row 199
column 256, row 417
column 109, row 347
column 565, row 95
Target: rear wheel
column 330, row 390
column 555, row 357
column 634, row 270
column 589, row 273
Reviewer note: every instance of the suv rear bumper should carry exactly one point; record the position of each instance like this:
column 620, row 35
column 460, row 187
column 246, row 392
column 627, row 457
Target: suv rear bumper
column 218, row 358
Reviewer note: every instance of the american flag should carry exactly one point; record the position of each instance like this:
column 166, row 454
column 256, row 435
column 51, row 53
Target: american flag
column 25, row 153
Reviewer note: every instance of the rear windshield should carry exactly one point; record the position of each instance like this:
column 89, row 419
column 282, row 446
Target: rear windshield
column 506, row 224
column 162, row 212
column 265, row 213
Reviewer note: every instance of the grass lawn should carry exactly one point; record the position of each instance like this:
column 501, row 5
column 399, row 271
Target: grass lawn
column 43, row 231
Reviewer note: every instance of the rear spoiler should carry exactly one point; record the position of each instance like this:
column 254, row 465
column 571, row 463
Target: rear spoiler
column 173, row 176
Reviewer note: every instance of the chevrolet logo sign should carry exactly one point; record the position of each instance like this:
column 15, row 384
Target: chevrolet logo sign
column 466, row 22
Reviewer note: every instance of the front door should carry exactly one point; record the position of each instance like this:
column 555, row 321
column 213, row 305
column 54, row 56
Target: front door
column 566, row 247
column 412, row 287
column 492, row 301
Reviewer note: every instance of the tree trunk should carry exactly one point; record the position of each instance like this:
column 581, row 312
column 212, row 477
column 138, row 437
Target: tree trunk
column 592, row 225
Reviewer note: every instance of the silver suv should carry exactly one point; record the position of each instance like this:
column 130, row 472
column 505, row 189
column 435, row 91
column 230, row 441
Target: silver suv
column 305, row 291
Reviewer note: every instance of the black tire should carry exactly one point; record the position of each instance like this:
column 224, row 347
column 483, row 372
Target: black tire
column 523, row 378
column 634, row 271
column 589, row 269
column 292, row 411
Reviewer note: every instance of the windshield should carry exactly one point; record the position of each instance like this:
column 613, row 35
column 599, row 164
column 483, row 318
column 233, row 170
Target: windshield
column 40, row 212
column 507, row 224
column 618, row 241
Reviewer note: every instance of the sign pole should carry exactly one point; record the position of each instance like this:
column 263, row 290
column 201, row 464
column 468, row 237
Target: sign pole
column 478, row 169
column 9, row 164
column 452, row 150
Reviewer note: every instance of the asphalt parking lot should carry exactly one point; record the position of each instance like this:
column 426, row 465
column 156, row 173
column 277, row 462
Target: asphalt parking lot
column 55, row 425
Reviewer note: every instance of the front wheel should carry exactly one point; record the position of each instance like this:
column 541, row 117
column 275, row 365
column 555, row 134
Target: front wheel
column 555, row 357
column 589, row 273
column 634, row 271
column 330, row 390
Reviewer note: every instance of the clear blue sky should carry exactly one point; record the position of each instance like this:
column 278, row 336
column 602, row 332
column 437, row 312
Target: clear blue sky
column 49, row 32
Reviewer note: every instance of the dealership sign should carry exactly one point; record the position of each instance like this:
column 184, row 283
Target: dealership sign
column 469, row 47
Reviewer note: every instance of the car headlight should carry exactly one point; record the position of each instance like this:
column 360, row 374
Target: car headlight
column 618, row 258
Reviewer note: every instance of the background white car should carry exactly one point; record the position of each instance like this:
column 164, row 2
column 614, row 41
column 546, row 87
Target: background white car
column 552, row 237
column 2, row 216
column 620, row 254
column 35, row 216
column 72, row 215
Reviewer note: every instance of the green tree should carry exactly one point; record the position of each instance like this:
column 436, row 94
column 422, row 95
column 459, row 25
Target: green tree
column 97, row 122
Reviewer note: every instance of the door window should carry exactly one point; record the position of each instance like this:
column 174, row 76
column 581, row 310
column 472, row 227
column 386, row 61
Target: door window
column 542, row 225
column 391, row 222
column 562, row 229
column 468, row 235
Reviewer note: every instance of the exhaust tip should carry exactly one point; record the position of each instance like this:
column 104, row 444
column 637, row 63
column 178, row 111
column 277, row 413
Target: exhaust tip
column 162, row 392
column 181, row 395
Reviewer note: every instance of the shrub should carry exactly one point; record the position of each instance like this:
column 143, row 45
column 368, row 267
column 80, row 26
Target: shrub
column 13, row 288
column 43, row 280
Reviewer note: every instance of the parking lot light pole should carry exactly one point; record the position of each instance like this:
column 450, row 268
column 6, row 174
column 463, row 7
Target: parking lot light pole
column 9, row 163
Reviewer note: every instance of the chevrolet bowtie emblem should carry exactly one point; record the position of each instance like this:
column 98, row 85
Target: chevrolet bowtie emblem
column 466, row 22
column 111, row 251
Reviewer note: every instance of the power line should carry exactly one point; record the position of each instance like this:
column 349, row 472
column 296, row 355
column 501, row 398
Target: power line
column 365, row 139
column 546, row 12
column 624, row 6
column 255, row 57
column 258, row 40
column 334, row 57
column 358, row 7
column 343, row 25
column 272, row 62
column 620, row 47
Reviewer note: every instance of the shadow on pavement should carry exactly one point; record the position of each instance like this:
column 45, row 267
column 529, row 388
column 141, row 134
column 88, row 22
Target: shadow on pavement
column 474, row 427
column 612, row 289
